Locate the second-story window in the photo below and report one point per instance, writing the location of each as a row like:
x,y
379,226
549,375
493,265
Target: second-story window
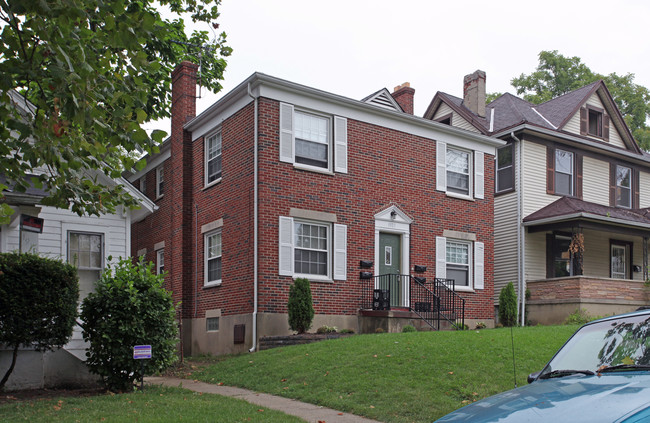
x,y
458,171
312,140
505,169
212,158
563,172
160,181
623,187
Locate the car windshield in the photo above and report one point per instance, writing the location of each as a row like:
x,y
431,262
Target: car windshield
x,y
624,342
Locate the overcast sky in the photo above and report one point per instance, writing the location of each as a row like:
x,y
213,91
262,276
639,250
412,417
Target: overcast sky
x,y
355,47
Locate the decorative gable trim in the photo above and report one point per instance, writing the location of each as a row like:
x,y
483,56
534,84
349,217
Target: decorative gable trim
x,y
382,98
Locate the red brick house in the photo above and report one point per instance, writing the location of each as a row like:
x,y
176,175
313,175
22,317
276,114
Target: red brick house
x,y
277,181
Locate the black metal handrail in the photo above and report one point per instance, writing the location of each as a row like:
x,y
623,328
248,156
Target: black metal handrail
x,y
437,300
433,301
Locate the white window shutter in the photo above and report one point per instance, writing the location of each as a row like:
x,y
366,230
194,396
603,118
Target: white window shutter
x,y
479,265
340,144
479,174
285,261
340,252
441,166
441,257
286,132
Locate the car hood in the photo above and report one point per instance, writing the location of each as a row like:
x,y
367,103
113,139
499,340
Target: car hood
x,y
611,397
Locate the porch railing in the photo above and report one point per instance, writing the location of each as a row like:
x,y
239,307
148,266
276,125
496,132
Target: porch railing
x,y
433,301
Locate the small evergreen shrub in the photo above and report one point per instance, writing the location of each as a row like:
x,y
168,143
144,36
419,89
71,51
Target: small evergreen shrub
x,y
508,305
129,307
300,307
408,328
326,329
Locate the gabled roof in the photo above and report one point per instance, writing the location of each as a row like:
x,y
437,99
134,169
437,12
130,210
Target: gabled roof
x,y
456,104
383,98
509,111
569,208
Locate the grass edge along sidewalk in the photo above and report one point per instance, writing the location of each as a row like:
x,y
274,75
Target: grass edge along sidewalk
x,y
308,412
392,377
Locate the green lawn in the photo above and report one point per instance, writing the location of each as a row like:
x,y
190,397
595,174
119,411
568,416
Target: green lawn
x,y
155,404
403,377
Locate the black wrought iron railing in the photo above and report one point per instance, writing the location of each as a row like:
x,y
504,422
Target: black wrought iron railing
x,y
433,301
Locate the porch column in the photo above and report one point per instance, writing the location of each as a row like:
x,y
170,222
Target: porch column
x,y
645,258
577,249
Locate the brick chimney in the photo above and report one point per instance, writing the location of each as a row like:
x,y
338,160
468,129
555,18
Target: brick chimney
x,y
403,95
474,92
178,184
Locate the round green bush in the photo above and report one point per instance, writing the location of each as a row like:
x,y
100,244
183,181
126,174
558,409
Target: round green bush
x,y
38,303
129,307
409,328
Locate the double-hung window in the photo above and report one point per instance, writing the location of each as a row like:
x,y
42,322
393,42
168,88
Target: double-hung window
x,y
85,250
564,172
212,158
160,261
505,169
623,187
213,251
458,171
312,249
160,181
458,262
312,246
461,260
313,141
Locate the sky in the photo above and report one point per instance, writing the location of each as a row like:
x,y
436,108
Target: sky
x,y
355,47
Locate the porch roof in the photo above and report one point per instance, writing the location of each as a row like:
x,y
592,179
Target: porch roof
x,y
570,210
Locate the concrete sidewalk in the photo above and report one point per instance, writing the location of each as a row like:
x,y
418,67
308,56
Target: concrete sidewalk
x,y
308,412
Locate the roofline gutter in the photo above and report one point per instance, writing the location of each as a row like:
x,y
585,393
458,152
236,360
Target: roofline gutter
x,y
590,216
258,78
573,138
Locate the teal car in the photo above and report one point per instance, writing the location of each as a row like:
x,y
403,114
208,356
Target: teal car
x,y
601,374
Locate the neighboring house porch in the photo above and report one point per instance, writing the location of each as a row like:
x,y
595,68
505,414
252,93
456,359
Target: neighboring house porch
x,y
588,256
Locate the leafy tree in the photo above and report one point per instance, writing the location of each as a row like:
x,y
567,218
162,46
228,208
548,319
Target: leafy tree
x,y
38,303
94,72
557,75
508,305
300,308
129,307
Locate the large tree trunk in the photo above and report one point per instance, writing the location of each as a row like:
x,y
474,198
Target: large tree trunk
x,y
11,368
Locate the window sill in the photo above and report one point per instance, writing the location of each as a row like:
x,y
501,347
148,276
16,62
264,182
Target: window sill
x,y
313,169
459,196
505,191
211,184
212,284
464,289
313,278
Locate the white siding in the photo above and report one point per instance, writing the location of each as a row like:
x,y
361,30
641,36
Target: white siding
x,y
573,125
505,241
644,185
456,120
597,253
534,178
595,181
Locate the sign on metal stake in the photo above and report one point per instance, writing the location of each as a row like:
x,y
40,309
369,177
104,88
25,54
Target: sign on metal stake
x,y
142,352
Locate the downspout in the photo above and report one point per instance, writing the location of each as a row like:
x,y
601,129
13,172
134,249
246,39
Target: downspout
x,y
255,220
521,254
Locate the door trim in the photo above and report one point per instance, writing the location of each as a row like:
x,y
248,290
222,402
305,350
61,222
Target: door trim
x,y
394,221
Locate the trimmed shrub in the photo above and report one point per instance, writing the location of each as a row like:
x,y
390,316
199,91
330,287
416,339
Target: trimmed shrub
x,y
300,307
38,303
408,328
508,306
129,307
